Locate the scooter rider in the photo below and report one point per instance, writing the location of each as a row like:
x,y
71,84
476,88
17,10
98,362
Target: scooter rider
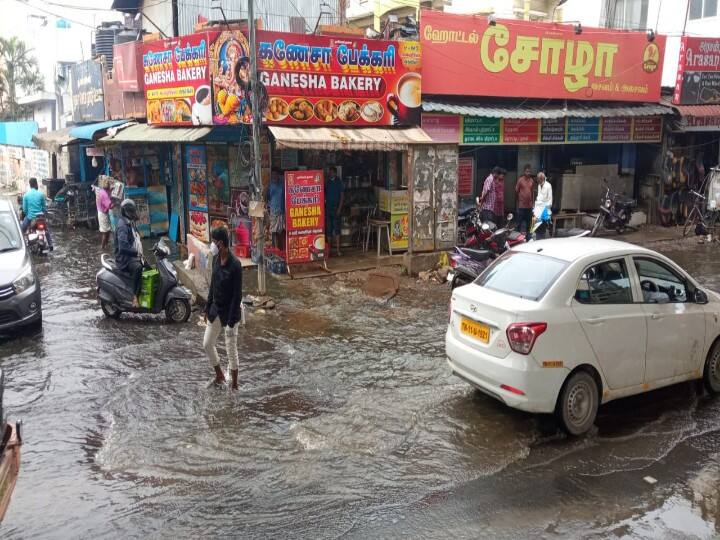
x,y
33,203
128,247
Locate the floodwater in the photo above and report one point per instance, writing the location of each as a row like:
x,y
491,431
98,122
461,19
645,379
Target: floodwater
x,y
348,424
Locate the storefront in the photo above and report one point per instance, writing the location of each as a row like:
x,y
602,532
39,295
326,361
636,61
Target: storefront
x,y
544,94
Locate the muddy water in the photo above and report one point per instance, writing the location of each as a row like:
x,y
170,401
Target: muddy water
x,y
347,423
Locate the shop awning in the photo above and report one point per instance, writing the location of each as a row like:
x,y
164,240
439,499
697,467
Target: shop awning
x,y
88,131
326,138
142,133
698,117
53,141
527,111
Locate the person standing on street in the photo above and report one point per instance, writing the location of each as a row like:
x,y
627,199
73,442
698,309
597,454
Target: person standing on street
x,y
492,199
33,203
223,310
524,194
276,203
104,204
543,201
334,197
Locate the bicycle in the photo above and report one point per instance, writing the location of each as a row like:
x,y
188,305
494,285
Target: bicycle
x,y
697,218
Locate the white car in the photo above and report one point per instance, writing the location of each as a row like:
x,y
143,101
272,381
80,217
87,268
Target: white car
x,y
563,325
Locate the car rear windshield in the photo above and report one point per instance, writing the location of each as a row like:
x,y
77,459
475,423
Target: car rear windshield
x,y
526,275
9,235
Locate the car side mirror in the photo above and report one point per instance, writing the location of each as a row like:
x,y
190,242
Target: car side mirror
x,y
700,296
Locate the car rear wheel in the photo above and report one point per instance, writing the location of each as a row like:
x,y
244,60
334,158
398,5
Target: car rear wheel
x,y
578,403
711,374
109,310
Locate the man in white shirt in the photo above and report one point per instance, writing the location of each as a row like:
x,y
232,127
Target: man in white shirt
x,y
544,200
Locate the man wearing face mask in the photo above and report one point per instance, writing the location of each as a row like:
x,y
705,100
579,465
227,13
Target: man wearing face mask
x,y
224,305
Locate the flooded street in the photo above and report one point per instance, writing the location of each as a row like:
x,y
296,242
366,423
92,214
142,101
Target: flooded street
x,y
348,424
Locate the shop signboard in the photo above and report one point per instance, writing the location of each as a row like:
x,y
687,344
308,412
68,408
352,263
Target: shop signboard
x,y
442,128
177,80
583,130
127,68
552,130
465,176
521,131
464,55
304,216
87,92
342,81
617,129
480,130
698,77
647,129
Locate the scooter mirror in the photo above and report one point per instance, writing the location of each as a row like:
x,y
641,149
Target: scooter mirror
x,y
477,200
509,217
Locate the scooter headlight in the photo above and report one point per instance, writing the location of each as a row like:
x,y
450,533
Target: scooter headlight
x,y
607,203
24,281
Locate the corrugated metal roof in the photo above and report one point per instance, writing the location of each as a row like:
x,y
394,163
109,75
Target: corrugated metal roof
x,y
88,131
326,138
140,133
699,111
578,110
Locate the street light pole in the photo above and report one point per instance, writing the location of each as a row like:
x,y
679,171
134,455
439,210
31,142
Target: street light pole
x,y
256,125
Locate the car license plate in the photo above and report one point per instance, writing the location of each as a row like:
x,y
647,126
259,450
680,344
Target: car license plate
x,y
475,330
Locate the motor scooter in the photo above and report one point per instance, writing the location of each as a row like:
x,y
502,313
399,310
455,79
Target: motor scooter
x,y
116,294
36,232
466,264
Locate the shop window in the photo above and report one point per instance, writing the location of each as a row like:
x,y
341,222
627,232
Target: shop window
x,y
702,9
605,283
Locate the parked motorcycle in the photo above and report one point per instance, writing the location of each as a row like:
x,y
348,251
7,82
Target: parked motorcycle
x,y
116,294
487,236
615,212
467,264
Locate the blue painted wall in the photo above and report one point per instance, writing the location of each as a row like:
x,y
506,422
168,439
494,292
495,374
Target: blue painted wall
x,y
18,133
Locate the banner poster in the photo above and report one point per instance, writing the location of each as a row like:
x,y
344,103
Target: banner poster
x,y
218,179
199,226
196,169
304,216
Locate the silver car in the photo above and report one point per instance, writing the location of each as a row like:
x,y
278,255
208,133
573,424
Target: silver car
x,y
20,303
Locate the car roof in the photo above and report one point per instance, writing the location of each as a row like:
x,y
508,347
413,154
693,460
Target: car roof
x,y
574,249
5,205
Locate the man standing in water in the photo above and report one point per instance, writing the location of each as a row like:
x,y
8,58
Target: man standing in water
x,y
224,305
104,204
334,195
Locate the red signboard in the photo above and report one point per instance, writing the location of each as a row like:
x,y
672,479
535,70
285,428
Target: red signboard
x,y
464,55
177,76
521,131
698,77
323,80
647,128
465,176
304,216
127,66
442,128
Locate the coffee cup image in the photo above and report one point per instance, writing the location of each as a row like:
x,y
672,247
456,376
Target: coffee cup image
x,y
405,103
202,108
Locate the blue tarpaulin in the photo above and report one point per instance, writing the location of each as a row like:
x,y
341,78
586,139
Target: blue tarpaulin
x,y
18,133
89,130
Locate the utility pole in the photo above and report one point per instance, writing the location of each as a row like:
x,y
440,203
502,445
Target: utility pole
x,y
258,193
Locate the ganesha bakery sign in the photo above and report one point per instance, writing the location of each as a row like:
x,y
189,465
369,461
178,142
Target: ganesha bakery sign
x,y
322,80
468,55
304,216
177,80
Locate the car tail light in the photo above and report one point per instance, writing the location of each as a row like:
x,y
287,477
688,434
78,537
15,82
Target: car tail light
x,y
522,336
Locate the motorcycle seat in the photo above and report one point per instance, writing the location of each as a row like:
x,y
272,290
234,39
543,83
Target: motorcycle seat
x,y
113,267
626,201
477,254
514,235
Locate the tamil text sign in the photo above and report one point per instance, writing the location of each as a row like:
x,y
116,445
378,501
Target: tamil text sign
x,y
305,216
176,77
464,55
698,78
87,92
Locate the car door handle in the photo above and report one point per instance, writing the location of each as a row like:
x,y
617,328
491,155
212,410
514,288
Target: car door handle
x,y
596,320
657,316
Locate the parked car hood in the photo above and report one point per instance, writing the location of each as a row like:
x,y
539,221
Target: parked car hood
x,y
11,264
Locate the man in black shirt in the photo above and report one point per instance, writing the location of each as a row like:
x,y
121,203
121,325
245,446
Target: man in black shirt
x,y
224,305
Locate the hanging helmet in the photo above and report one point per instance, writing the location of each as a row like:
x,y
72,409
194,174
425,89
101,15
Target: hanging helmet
x,y
129,210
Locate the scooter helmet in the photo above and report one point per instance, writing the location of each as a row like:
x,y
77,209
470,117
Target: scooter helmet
x,y
128,209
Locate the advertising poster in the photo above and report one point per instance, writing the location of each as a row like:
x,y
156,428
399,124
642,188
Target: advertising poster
x,y
230,73
239,202
199,226
466,175
177,80
218,179
464,55
322,80
196,169
304,216
698,78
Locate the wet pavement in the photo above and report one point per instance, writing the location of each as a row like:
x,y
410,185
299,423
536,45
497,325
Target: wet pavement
x,y
348,424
